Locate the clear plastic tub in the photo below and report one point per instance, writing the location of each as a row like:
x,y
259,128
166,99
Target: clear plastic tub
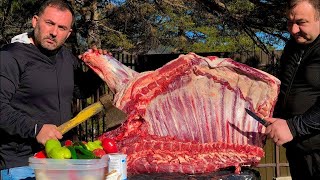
x,y
78,169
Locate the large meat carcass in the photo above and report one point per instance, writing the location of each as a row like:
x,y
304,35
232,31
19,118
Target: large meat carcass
x,y
189,115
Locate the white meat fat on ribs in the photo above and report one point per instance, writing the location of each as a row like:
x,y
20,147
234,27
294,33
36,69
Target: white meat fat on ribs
x,y
189,115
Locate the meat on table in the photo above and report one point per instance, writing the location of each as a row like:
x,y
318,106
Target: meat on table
x,y
189,115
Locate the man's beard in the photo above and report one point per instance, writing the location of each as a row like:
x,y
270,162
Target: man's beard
x,y
45,50
41,46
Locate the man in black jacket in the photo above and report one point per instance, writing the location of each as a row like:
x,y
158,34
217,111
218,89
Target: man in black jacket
x,y
39,78
299,99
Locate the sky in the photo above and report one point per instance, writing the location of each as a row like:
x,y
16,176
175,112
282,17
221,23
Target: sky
x,y
278,45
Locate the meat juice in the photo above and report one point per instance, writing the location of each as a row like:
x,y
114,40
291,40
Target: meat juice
x,y
118,162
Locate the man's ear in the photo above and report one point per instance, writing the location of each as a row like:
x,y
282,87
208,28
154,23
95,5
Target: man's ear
x,y
35,20
70,31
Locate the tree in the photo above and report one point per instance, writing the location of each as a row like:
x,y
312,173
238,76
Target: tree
x,y
183,26
138,26
11,20
252,16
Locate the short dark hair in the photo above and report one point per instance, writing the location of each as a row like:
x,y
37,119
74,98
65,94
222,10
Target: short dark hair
x,y
315,4
60,4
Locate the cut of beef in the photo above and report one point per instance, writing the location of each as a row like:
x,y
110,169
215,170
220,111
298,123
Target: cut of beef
x,y
154,154
188,116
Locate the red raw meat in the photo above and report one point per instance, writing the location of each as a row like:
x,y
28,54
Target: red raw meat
x,y
188,116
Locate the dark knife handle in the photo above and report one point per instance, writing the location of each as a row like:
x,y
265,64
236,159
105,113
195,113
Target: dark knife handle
x,y
257,118
265,123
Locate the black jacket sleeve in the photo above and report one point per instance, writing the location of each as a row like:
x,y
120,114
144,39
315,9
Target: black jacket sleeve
x,y
307,123
13,121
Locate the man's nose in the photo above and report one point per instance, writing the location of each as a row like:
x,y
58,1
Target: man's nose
x,y
54,31
295,29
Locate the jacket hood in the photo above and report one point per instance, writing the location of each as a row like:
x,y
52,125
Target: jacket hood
x,y
21,38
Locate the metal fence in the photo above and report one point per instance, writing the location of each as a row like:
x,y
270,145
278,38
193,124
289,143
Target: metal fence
x,y
274,164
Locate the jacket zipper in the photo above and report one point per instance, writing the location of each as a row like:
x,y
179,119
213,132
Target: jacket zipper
x,y
58,88
291,82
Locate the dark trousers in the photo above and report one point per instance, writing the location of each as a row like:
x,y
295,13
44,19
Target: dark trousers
x,y
303,165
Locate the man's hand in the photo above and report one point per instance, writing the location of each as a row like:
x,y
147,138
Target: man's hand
x,y
48,131
278,131
101,51
94,48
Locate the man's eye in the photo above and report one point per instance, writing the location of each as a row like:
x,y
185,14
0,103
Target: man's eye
x,y
49,23
300,23
62,28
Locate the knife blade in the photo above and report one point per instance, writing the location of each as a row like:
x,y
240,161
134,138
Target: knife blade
x,y
256,117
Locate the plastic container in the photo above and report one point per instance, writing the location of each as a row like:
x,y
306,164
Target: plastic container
x,y
74,169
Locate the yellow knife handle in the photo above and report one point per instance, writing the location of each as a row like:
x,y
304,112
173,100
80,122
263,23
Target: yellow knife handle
x,y
82,116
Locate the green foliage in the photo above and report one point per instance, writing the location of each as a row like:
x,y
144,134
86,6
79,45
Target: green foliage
x,y
141,26
116,40
242,7
11,21
215,42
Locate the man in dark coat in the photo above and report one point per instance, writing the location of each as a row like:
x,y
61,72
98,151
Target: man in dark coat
x,y
39,78
298,106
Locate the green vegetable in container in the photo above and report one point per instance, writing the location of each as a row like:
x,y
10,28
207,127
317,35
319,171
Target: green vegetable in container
x,y
83,153
91,146
50,144
73,152
60,153
79,143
